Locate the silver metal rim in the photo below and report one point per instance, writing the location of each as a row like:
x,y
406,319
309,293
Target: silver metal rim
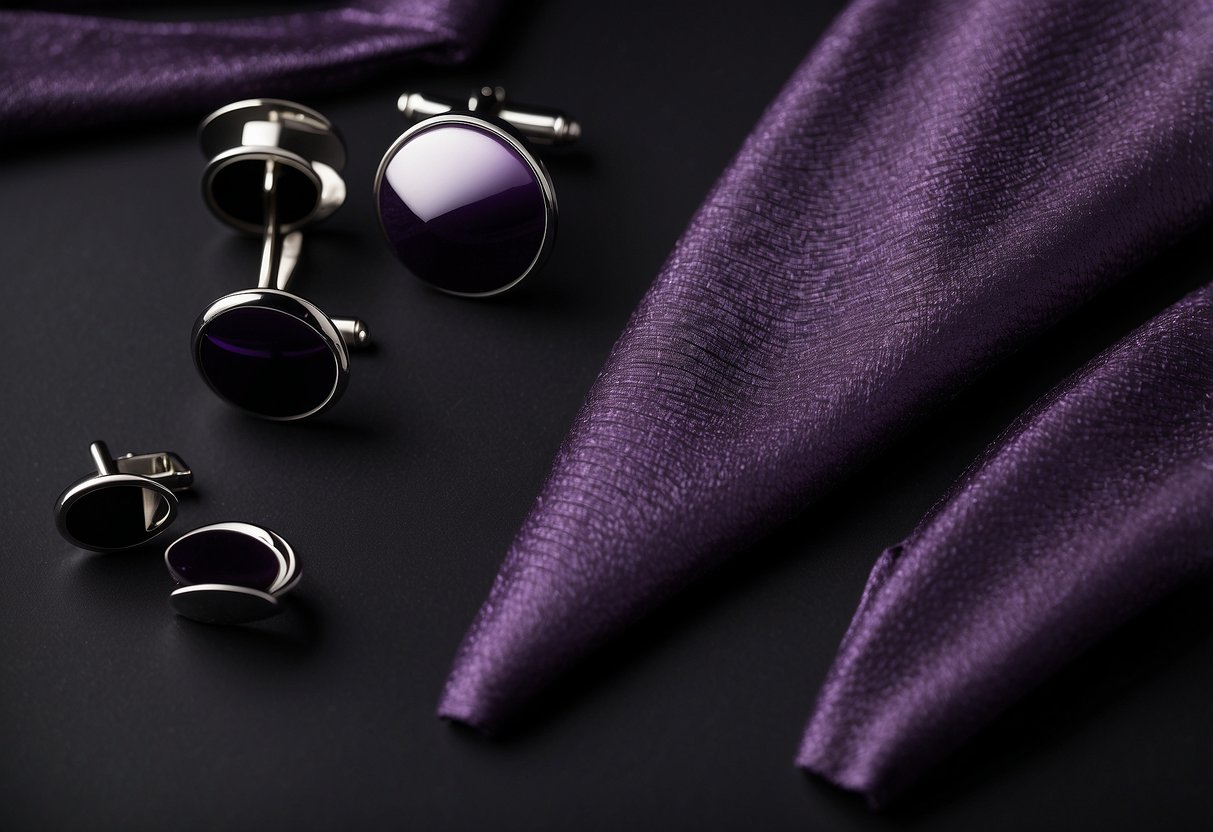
x,y
250,109
507,134
96,483
244,154
288,579
264,604
277,300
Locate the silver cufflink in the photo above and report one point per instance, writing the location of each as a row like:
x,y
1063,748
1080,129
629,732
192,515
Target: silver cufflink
x,y
274,167
126,503
464,203
230,573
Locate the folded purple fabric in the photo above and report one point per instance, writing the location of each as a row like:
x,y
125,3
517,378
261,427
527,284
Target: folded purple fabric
x,y
1092,507
60,72
940,180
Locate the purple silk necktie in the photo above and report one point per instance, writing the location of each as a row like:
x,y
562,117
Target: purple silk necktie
x,y
60,72
1097,503
939,181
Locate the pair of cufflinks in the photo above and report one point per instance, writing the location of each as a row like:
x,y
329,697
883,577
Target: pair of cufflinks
x,y
226,573
463,202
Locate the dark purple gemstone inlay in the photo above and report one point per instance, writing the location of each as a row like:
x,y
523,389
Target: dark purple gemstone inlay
x,y
267,361
462,209
222,556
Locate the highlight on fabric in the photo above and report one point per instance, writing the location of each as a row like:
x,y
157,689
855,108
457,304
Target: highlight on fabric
x,y
937,183
62,72
1091,508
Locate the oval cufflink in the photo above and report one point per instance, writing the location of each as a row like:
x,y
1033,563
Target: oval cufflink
x,y
126,503
230,573
462,200
274,167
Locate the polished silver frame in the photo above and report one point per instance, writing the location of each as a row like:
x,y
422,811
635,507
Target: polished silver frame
x,y
511,137
284,302
162,472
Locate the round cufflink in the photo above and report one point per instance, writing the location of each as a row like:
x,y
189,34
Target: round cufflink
x,y
125,504
462,200
230,573
274,167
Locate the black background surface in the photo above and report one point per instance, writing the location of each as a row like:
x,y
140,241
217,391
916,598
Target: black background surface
x,y
403,499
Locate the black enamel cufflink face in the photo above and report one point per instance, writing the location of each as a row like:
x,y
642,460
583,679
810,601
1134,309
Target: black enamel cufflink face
x,y
274,167
230,573
126,503
463,202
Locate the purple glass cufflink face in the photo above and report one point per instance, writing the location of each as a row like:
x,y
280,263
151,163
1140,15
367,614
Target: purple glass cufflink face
x,y
463,207
271,353
230,573
463,202
126,503
274,168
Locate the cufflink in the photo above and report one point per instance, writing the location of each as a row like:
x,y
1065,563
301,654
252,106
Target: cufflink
x,y
230,573
126,503
464,203
274,167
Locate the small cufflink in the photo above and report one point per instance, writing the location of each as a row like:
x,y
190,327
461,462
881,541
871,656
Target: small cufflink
x,y
126,503
464,203
274,167
230,573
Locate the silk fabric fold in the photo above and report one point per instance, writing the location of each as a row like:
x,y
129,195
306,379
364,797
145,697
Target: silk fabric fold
x,y
937,182
61,72
1092,507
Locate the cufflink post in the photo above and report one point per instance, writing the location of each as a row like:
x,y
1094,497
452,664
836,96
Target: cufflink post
x,y
542,125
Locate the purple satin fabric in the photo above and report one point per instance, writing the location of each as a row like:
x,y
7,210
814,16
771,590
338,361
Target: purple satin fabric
x,y
1097,503
938,181
60,72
